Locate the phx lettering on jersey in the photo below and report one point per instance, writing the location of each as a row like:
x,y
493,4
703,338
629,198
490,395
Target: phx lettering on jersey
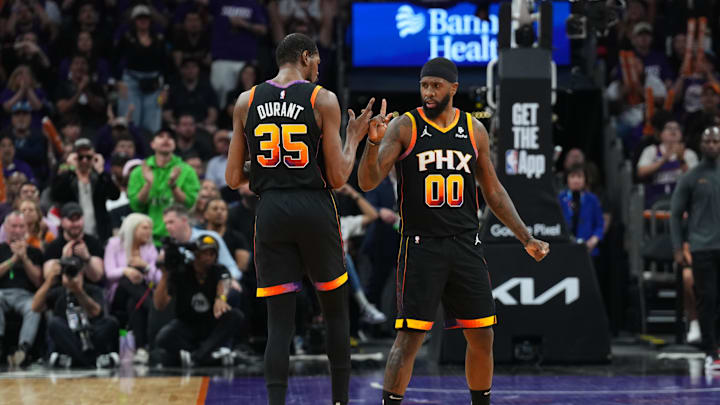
x,y
519,161
451,159
279,109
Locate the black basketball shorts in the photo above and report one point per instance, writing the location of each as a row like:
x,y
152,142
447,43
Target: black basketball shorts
x,y
297,233
448,269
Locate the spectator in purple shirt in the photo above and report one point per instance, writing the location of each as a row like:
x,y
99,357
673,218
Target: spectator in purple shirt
x,y
22,87
655,63
236,27
10,164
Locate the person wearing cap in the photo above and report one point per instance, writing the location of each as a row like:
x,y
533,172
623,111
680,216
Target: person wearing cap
x,y
73,241
707,116
59,289
144,53
87,183
192,95
697,195
204,320
215,170
163,180
655,63
30,143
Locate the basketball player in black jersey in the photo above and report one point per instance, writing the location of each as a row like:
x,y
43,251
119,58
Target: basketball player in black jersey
x,y
440,154
288,127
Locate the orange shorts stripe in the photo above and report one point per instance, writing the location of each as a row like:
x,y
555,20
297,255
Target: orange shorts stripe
x,y
471,323
413,324
331,285
279,289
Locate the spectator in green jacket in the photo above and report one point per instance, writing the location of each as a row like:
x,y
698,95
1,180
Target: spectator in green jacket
x,y
161,181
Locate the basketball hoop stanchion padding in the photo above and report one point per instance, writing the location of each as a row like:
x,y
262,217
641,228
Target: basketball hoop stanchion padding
x,y
550,311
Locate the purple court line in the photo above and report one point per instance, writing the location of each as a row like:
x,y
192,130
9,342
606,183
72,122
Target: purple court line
x,y
515,390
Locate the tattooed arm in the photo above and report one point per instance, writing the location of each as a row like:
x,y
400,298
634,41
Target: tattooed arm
x,y
498,199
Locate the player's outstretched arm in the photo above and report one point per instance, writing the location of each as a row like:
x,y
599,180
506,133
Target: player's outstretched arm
x,y
237,154
339,158
385,144
498,199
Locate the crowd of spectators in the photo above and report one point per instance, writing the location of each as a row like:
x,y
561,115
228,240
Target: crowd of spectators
x,y
115,122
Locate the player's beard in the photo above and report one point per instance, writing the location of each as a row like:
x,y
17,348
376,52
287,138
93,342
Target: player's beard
x,y
435,112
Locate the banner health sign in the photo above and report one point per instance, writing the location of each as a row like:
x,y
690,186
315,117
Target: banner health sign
x,y
403,35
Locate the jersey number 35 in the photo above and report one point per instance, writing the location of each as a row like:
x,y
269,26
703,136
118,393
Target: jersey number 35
x,y
294,153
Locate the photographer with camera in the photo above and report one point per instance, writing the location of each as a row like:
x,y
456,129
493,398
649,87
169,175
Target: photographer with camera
x,y
204,320
78,331
72,241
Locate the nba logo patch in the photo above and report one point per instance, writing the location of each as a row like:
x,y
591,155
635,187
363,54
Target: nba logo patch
x,y
282,95
511,161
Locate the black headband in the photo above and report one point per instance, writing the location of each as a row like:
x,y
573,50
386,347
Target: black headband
x,y
440,67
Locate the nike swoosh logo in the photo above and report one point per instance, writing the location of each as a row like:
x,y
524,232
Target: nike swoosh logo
x,y
394,398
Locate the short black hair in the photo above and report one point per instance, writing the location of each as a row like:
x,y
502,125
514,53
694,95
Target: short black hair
x,y
292,46
575,169
178,209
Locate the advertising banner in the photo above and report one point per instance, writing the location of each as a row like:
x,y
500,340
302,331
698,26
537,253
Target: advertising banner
x,y
400,34
525,148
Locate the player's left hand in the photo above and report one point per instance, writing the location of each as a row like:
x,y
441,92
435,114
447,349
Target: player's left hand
x,y
537,249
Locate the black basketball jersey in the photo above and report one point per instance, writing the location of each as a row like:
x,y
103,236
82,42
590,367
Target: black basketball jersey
x,y
283,138
436,177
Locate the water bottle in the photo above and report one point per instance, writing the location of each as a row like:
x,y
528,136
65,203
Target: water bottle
x,y
127,346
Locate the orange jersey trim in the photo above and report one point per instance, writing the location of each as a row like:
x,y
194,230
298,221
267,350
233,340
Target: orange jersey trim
x,y
471,323
314,95
472,133
413,324
279,289
331,285
252,95
436,126
413,138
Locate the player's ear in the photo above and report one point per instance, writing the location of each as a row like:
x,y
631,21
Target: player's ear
x,y
453,88
305,57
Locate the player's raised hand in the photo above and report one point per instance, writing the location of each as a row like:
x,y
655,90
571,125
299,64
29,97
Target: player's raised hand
x,y
537,249
379,124
358,127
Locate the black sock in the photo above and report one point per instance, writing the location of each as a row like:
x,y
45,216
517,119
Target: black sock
x,y
480,397
391,399
276,394
337,322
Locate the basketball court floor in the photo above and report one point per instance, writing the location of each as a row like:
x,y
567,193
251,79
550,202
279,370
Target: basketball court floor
x,y
638,374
